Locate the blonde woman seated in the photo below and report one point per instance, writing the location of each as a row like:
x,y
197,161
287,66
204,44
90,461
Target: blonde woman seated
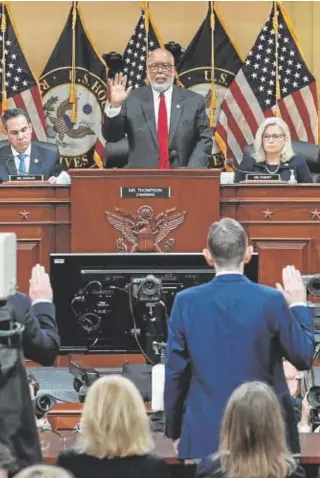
x,y
273,154
116,439
252,440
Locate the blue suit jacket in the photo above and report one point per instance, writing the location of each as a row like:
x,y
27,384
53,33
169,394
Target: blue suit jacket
x,y
42,161
223,334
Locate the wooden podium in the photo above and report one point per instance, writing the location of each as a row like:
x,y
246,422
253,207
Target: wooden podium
x,y
283,224
39,214
283,221
142,210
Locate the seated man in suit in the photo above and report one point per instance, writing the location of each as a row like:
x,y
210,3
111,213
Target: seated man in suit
x,y
167,126
228,332
21,155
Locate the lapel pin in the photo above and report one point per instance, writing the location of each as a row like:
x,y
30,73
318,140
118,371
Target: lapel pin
x,y
36,160
178,106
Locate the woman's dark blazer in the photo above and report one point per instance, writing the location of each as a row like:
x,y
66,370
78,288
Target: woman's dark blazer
x,y
299,165
82,465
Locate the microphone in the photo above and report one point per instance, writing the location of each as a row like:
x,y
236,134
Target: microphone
x,y
232,163
173,156
10,159
22,173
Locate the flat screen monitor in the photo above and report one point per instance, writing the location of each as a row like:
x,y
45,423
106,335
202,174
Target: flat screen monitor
x,y
121,302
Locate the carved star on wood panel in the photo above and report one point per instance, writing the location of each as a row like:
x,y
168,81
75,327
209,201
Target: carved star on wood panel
x,y
315,214
268,213
24,215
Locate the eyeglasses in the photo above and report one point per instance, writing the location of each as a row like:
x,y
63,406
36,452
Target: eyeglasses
x,y
165,67
274,137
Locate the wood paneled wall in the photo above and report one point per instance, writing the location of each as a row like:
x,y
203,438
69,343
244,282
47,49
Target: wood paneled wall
x,y
110,24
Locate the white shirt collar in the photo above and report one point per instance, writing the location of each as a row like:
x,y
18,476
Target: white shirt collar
x,y
224,273
27,152
166,93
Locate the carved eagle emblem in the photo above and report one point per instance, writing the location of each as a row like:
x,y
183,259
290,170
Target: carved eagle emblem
x,y
145,225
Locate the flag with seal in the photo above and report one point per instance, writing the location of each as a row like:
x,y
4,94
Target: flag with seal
x,y
210,63
74,95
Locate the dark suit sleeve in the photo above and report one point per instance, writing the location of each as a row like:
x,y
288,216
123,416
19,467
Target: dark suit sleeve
x,y
177,373
40,340
247,164
203,134
56,167
114,129
304,175
294,328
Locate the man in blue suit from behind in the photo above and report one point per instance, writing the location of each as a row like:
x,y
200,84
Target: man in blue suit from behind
x,y
227,332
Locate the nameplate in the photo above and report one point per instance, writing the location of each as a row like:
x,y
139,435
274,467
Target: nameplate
x,y
145,192
26,177
262,177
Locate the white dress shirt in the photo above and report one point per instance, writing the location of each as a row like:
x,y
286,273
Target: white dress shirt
x,y
27,156
112,112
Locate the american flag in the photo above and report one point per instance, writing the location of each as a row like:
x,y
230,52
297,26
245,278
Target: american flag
x,y
252,94
21,87
139,46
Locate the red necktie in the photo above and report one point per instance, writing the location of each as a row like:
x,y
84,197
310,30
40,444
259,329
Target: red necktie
x,y
163,137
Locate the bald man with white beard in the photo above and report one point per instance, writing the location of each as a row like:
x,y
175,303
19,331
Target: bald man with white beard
x,y
138,114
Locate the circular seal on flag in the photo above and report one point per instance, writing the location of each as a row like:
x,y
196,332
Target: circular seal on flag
x,y
73,126
199,80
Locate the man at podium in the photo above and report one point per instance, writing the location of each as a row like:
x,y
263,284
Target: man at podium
x,y
166,126
21,156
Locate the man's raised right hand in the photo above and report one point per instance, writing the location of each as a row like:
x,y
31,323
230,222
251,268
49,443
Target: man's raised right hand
x,y
293,288
117,90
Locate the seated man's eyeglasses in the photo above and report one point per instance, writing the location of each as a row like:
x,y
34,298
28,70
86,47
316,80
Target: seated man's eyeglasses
x,y
274,137
160,66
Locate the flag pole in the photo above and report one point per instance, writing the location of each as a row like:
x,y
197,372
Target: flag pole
x,y
3,32
72,95
275,24
145,8
213,99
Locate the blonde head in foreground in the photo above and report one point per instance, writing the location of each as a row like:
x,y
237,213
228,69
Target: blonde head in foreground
x,y
114,420
253,440
43,471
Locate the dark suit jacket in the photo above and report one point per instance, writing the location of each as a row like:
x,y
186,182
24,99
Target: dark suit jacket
x,y
223,334
190,137
43,161
299,165
40,340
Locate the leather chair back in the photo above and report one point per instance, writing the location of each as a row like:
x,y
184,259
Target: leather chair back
x,y
49,146
116,154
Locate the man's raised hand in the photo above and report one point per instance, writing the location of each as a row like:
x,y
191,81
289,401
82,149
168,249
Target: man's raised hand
x,y
117,90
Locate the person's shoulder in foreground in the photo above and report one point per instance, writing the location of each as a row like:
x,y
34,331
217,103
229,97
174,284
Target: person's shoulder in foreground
x,y
210,467
139,466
